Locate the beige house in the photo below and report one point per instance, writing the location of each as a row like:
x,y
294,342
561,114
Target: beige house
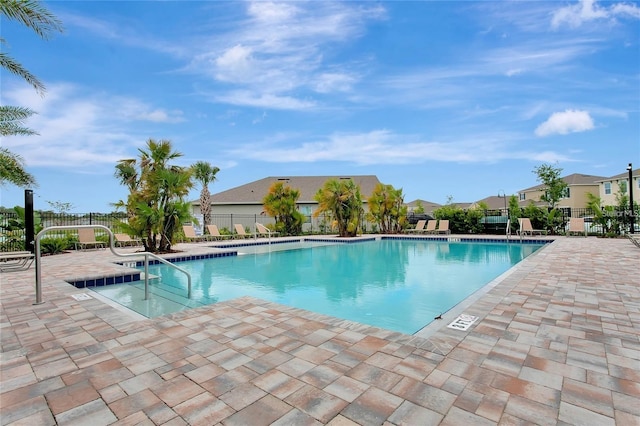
x,y
609,188
243,204
576,194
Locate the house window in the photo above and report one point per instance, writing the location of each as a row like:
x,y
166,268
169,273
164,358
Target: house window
x,y
566,193
523,196
607,188
305,210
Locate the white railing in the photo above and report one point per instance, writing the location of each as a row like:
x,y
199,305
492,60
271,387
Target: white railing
x,y
146,255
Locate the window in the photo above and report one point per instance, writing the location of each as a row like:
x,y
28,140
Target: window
x,y
523,196
305,210
607,188
566,193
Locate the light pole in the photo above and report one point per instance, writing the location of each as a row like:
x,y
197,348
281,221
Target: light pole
x,y
504,195
632,221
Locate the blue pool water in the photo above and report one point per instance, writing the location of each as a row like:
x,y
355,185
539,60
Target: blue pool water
x,y
395,284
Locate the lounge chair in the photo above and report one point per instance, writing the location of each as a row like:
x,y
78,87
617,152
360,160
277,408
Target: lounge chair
x,y
240,232
419,226
124,240
443,227
635,239
527,228
263,230
190,234
576,225
87,238
214,233
15,261
431,227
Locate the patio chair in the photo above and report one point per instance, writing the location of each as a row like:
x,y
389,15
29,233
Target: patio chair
x,y
419,226
124,240
16,261
190,234
576,226
527,228
87,238
443,227
240,232
431,227
214,233
263,230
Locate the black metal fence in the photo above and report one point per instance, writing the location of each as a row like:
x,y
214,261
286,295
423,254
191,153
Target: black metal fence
x,y
611,221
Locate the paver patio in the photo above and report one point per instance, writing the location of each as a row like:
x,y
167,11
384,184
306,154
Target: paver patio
x,y
557,342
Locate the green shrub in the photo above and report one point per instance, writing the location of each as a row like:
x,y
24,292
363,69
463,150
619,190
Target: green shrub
x,y
53,245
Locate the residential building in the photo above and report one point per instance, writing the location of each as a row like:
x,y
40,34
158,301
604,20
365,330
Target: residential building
x,y
245,201
427,206
618,184
578,185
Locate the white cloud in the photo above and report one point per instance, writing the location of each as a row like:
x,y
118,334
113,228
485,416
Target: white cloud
x,y
569,121
380,147
587,10
334,82
81,129
278,53
264,100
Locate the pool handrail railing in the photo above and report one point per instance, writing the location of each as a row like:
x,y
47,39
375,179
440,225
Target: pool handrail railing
x,y
146,255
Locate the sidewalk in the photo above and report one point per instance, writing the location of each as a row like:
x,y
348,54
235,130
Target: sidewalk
x,y
557,342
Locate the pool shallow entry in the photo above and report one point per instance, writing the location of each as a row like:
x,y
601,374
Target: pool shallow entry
x,y
396,284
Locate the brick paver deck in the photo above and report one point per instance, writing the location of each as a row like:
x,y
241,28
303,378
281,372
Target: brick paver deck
x,y
557,342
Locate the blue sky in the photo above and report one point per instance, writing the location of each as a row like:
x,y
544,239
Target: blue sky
x,y
447,98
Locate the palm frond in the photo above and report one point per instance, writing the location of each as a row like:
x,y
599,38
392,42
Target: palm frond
x,y
33,15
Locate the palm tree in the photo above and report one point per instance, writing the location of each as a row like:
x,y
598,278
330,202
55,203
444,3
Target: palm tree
x,y
12,170
205,173
156,205
36,17
280,202
387,209
341,199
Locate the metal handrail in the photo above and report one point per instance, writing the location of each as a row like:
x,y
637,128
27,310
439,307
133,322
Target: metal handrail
x,y
146,255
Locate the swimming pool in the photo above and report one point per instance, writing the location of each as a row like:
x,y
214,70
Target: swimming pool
x,y
396,284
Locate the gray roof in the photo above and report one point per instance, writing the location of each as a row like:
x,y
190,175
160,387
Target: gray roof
x,y
428,206
495,202
625,175
254,192
572,180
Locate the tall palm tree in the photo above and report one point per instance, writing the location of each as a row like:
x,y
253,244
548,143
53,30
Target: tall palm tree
x,y
33,15
157,191
205,173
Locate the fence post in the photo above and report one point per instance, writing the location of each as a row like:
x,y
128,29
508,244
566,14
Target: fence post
x,y
29,235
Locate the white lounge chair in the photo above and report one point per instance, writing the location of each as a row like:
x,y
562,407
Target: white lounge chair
x,y
15,261
87,238
190,234
576,226
419,226
124,240
240,232
214,233
443,227
263,230
527,228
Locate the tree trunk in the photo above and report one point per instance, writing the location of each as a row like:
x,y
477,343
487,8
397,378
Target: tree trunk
x,y
205,207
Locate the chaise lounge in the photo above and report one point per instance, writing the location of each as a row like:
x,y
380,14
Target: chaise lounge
x,y
15,261
576,226
263,230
